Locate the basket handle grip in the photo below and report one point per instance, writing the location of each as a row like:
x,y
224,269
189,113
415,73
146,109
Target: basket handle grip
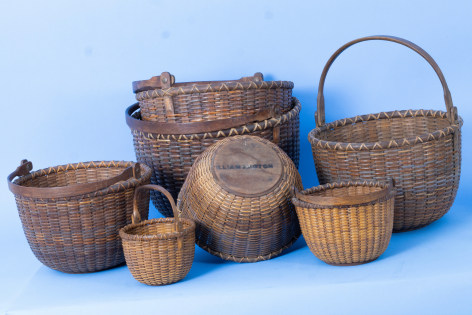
x,y
65,191
320,113
166,80
136,217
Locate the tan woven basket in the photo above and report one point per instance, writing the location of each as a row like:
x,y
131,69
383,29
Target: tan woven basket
x,y
238,193
249,98
420,149
171,150
158,251
71,214
346,223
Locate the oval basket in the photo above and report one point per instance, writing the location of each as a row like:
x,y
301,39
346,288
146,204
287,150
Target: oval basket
x,y
346,223
158,251
163,100
170,149
71,214
235,225
419,149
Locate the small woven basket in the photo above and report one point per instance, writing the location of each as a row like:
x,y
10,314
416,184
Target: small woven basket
x,y
158,251
71,214
419,149
163,100
238,193
170,149
346,223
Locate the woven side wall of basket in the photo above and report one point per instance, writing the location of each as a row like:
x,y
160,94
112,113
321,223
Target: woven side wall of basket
x,y
78,232
171,155
419,149
163,100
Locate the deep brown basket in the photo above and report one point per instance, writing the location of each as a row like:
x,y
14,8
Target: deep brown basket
x,y
249,98
170,155
419,149
237,226
158,251
71,214
346,223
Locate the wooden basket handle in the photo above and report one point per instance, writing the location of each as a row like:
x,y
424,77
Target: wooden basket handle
x,y
166,80
320,113
136,217
66,191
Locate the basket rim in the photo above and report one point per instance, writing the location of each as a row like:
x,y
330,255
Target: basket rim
x,y
126,236
241,130
205,87
330,202
393,143
118,187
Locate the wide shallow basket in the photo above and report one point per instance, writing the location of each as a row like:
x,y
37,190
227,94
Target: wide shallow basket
x,y
250,98
170,149
419,149
346,223
71,214
238,193
158,251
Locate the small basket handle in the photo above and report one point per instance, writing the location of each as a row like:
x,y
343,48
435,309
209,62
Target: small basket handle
x,y
320,113
136,217
166,80
66,191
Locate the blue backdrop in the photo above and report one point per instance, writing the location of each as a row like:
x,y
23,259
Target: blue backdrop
x,y
66,73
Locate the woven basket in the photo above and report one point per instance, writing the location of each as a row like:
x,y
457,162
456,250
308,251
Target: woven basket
x,y
71,214
158,251
249,98
238,193
171,150
346,223
419,149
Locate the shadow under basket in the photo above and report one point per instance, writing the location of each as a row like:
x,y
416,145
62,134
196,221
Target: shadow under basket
x,y
158,251
346,223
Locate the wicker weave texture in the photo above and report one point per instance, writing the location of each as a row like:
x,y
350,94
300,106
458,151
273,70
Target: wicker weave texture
x,y
348,234
152,250
240,228
202,102
171,156
79,234
421,150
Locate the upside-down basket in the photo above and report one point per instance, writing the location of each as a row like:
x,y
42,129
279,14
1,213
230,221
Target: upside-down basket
x,y
419,149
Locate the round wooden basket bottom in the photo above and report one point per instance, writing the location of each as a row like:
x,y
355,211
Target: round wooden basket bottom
x,y
346,223
158,251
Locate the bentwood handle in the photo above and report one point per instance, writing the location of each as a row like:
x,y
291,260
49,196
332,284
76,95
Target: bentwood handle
x,y
320,114
65,191
166,80
136,217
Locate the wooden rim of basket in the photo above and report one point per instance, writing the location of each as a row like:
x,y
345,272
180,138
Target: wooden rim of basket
x,y
393,143
164,85
178,232
130,177
305,196
180,131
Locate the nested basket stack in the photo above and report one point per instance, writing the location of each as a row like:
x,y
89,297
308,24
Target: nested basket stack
x,y
175,122
158,251
347,223
71,214
238,193
419,149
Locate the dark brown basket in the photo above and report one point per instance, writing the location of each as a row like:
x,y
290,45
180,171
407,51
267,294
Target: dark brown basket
x,y
250,98
346,223
71,214
419,149
170,150
242,227
158,251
